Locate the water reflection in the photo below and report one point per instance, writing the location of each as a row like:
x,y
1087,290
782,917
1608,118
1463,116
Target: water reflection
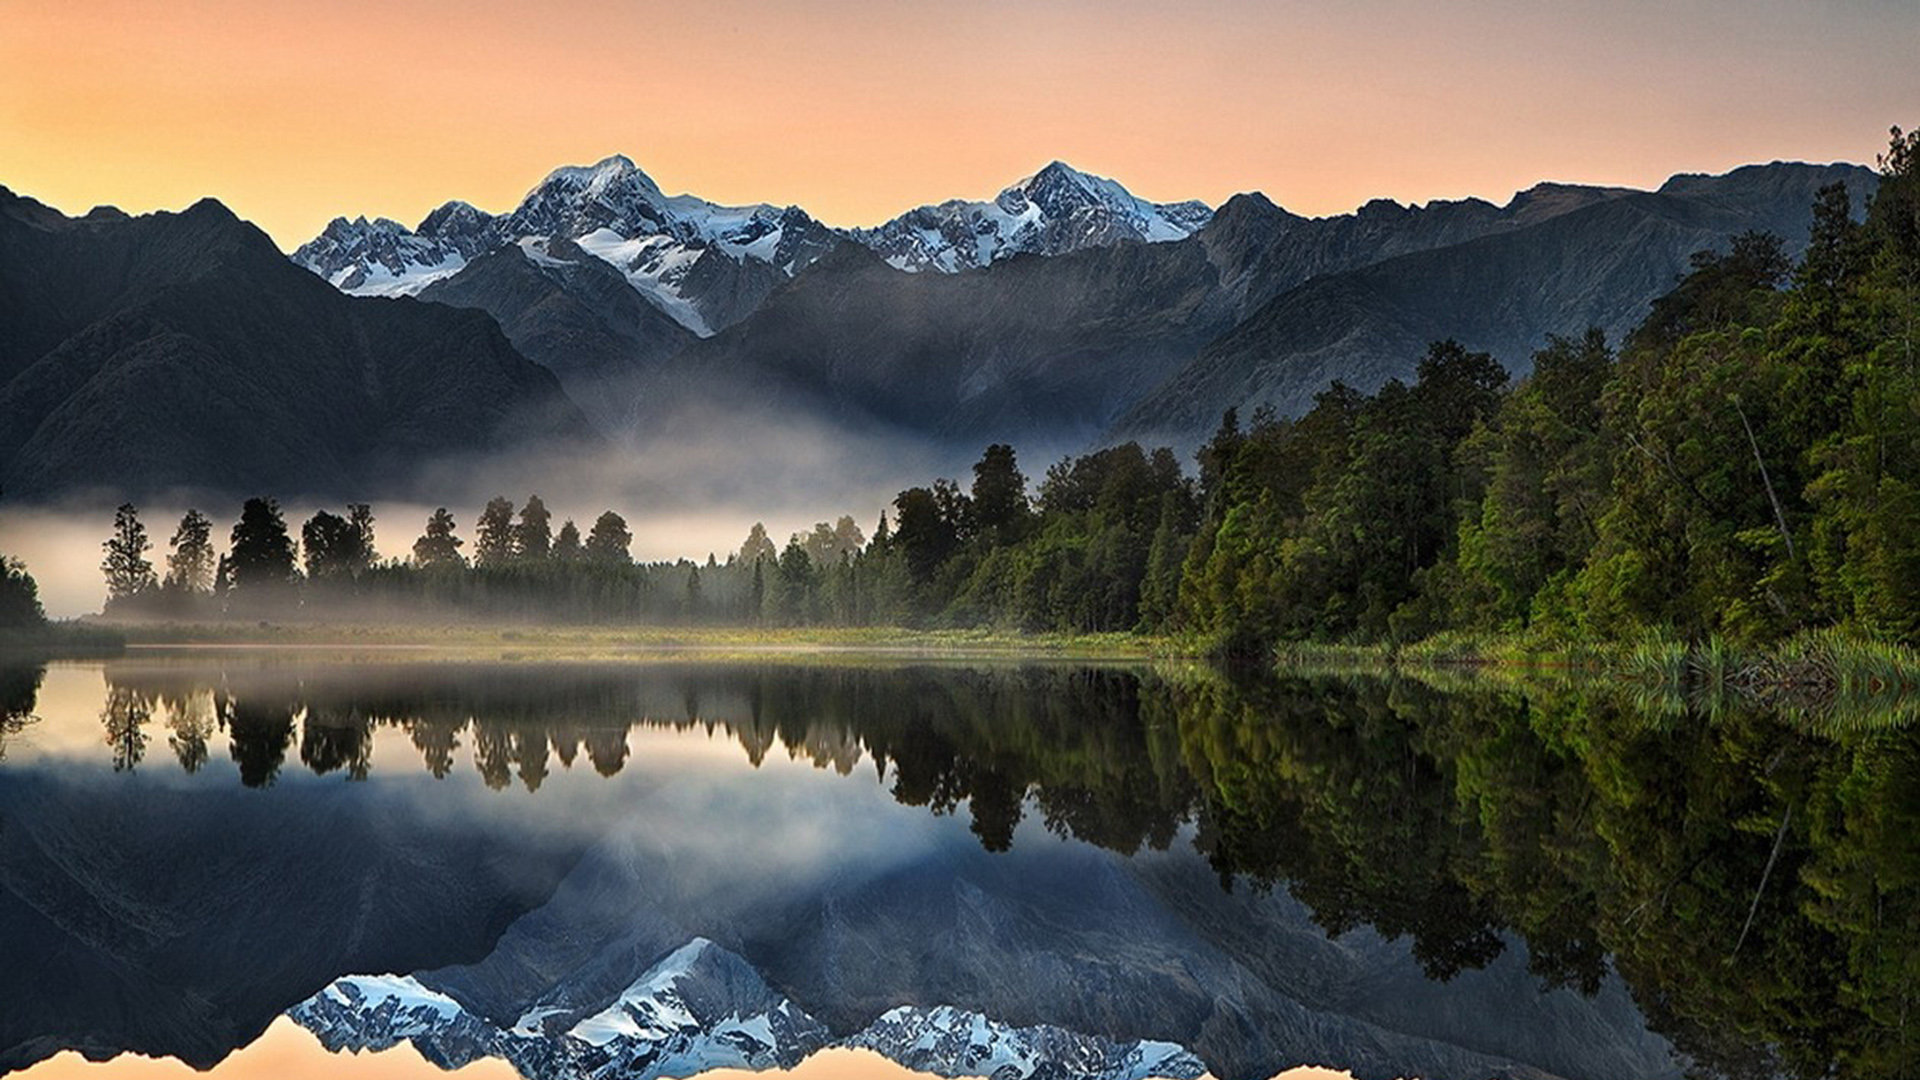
x,y
1755,880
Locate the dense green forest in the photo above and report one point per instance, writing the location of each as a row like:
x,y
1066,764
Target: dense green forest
x,y
1745,465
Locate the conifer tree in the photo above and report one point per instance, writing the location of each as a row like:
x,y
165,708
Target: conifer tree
x,y
128,572
190,564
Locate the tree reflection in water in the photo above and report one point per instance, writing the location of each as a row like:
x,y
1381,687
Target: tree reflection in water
x,y
1754,878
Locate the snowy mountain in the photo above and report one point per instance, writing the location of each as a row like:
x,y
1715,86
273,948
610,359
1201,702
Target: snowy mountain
x,y
700,1008
384,258
1054,211
704,264
954,1042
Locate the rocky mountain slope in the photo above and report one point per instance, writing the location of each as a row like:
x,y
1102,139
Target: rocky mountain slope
x,y
1257,306
1598,264
704,265
184,350
1056,210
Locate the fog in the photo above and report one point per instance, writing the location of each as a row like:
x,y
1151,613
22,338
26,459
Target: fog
x,y
690,488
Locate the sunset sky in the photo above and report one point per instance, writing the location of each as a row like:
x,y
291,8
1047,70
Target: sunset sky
x,y
857,109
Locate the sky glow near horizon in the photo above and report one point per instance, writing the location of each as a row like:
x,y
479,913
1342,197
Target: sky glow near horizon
x,y
859,109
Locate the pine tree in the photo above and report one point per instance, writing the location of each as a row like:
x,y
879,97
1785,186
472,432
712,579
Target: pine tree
x,y
261,553
1000,507
495,544
128,572
533,537
566,545
190,565
362,554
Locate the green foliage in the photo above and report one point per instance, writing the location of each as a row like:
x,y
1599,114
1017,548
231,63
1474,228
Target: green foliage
x,y
190,564
495,545
438,547
19,597
1747,469
533,536
608,541
260,555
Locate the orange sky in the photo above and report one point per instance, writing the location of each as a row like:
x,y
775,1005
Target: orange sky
x,y
856,109
288,1052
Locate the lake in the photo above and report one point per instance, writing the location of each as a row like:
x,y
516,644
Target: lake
x,y
681,864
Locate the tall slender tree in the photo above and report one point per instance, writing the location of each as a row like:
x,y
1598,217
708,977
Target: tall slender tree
x,y
128,572
190,563
495,543
533,537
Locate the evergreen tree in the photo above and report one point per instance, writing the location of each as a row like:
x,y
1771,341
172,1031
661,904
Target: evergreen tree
x,y
566,544
757,546
190,563
362,553
1000,507
332,547
19,597
128,572
925,531
438,546
533,537
261,554
796,580
757,595
608,541
495,544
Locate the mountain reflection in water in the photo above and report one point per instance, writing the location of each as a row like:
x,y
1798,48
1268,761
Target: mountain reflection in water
x,y
1120,862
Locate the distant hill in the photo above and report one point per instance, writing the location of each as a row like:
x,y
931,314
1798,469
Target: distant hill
x,y
184,350
1600,264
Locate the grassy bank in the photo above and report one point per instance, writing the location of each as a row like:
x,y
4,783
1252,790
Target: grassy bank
x,y
653,638
1825,673
61,639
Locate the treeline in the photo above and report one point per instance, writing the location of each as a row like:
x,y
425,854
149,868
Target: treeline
x,y
521,568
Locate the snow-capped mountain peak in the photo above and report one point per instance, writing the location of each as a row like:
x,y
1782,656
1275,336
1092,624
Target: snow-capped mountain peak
x,y
382,257
1054,211
702,1007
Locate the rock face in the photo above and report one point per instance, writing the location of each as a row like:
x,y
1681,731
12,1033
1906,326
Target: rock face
x,y
1055,211
183,350
384,258
575,314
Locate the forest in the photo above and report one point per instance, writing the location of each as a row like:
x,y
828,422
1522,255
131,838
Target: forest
x,y
1744,466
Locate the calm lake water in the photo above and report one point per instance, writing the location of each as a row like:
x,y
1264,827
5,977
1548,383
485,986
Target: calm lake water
x,y
1056,870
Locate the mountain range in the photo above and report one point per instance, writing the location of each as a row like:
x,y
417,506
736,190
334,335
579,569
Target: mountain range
x,y
1064,312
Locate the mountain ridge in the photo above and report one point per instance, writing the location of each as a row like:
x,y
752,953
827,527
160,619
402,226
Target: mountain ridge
x,y
178,350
